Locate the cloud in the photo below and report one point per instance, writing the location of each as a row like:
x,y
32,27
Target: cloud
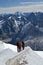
x,y
29,3
38,7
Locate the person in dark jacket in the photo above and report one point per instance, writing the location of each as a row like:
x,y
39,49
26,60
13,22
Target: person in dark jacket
x,y
20,46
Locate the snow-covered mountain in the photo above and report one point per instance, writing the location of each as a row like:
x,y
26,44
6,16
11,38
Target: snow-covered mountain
x,y
21,26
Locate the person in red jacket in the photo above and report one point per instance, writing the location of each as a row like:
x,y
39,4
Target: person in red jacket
x,y
20,46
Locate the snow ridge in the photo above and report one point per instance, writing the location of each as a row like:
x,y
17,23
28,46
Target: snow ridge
x,y
26,57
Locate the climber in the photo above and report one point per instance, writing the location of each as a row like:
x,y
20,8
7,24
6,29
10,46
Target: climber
x,y
20,46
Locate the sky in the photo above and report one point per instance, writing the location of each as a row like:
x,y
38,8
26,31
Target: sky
x,y
12,3
12,6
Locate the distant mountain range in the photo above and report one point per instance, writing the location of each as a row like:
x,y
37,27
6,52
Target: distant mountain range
x,y
21,26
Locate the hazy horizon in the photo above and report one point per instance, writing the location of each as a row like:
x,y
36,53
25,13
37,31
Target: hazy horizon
x,y
12,6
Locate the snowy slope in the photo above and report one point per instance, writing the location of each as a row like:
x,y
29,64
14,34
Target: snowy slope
x,y
5,55
2,46
6,45
26,57
6,51
9,56
40,53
